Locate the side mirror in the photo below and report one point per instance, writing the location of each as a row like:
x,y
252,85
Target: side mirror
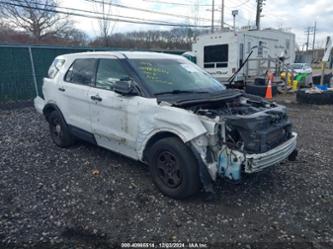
x,y
126,88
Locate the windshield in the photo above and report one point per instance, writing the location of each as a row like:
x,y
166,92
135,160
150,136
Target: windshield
x,y
163,76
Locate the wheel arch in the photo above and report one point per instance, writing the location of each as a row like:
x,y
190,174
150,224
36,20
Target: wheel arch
x,y
156,137
49,108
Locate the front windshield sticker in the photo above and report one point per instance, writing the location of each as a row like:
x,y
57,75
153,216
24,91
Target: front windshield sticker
x,y
154,72
190,68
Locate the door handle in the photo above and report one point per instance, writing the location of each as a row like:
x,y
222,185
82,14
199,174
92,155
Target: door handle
x,y
61,89
96,98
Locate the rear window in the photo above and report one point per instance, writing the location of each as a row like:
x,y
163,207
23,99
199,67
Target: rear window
x,y
216,56
55,68
82,72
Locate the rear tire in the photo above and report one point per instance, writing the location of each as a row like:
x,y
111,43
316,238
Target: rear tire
x,y
174,168
59,130
325,98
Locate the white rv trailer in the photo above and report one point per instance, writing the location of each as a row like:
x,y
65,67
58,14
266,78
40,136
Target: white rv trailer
x,y
222,53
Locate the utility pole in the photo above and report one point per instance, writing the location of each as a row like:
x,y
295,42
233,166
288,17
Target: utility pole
x,y
260,4
213,10
314,35
196,12
234,14
314,40
307,32
311,30
327,55
222,15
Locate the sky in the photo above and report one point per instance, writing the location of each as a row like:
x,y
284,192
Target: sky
x,y
294,16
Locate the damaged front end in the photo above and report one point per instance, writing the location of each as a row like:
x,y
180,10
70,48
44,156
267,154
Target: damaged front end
x,y
245,134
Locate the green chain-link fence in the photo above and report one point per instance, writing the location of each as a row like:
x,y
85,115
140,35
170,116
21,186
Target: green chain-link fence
x,y
22,69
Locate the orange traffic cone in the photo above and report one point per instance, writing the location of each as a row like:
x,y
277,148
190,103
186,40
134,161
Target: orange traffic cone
x,y
269,90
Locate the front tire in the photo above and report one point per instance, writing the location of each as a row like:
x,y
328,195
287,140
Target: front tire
x,y
59,130
174,168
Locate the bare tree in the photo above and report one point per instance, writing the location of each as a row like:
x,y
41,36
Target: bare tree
x,y
38,17
104,24
177,38
75,37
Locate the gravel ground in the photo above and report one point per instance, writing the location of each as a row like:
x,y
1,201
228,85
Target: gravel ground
x,y
88,197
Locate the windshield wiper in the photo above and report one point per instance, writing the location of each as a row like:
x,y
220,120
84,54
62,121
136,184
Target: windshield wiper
x,y
180,92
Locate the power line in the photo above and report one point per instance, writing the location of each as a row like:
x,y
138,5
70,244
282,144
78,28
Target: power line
x,y
244,5
103,18
241,4
143,10
181,4
150,11
201,5
88,11
191,4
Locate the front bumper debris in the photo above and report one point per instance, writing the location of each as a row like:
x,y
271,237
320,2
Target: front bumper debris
x,y
233,163
258,162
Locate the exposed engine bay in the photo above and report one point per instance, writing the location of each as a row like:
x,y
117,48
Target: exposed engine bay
x,y
252,124
245,134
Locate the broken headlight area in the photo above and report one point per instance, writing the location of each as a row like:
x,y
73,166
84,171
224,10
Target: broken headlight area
x,y
258,133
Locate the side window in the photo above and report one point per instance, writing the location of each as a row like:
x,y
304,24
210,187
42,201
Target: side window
x,y
55,68
82,72
109,71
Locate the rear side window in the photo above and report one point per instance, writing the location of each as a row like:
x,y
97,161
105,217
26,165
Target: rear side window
x,y
216,56
82,72
55,68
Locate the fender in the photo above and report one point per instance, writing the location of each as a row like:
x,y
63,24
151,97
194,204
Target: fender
x,y
166,119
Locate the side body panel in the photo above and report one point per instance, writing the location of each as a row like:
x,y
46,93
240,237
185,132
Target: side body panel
x,y
74,103
72,99
114,121
125,124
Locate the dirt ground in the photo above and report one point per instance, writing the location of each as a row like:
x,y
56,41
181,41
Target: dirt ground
x,y
88,197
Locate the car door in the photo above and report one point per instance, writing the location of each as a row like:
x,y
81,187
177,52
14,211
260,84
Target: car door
x,y
114,117
74,98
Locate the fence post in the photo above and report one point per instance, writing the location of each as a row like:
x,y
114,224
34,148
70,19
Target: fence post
x,y
33,71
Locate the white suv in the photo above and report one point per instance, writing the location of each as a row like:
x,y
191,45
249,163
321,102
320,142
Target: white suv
x,y
167,112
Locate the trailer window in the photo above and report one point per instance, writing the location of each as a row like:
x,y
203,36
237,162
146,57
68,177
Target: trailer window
x,y
260,49
216,56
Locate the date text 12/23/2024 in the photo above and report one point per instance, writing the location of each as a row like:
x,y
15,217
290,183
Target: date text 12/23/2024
x,y
164,245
